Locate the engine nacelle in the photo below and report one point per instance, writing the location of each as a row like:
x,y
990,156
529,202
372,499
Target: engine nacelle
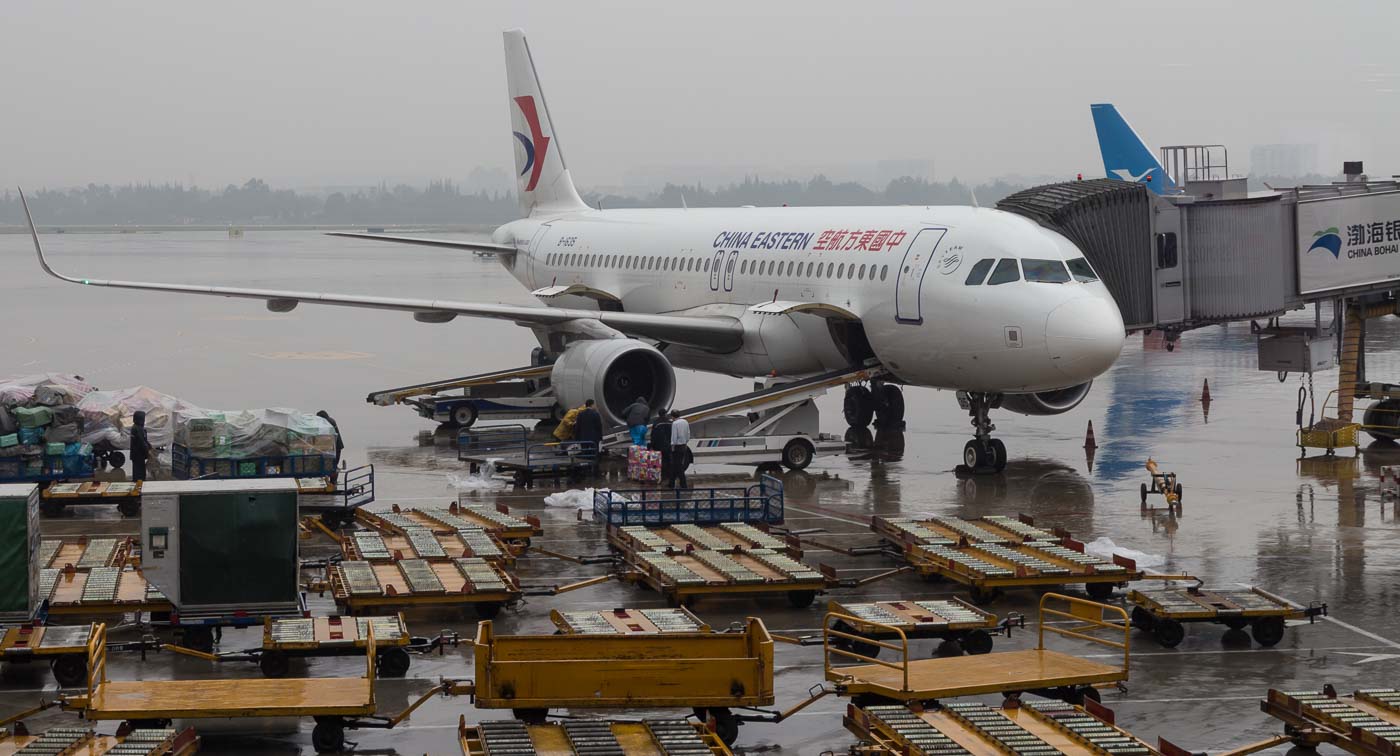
x,y
1047,402
613,372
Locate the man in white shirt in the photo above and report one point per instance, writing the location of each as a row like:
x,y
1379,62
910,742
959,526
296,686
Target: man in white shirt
x,y
680,450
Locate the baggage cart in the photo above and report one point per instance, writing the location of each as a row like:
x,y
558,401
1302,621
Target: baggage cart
x,y
394,535
360,587
62,647
125,494
99,593
960,626
758,503
1365,723
628,622
510,449
648,737
1163,613
82,739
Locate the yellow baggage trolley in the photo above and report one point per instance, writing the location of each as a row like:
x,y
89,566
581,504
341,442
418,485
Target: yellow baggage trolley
x,y
84,741
646,738
1364,723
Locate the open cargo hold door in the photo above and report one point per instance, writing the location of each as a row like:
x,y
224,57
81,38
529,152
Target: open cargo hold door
x,y
1111,222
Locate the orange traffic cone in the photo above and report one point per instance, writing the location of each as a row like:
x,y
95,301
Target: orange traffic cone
x,y
1089,442
1205,392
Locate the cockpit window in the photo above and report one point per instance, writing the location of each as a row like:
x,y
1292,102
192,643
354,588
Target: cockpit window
x,y
1045,271
1079,267
979,272
1006,272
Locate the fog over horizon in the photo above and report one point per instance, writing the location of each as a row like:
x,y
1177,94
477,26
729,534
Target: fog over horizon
x,y
323,94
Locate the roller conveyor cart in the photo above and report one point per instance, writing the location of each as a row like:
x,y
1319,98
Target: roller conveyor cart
x,y
1164,613
628,622
1366,723
84,741
960,626
393,535
62,647
360,586
649,737
99,593
83,553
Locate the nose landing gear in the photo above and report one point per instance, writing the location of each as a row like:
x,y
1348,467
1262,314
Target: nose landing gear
x,y
983,454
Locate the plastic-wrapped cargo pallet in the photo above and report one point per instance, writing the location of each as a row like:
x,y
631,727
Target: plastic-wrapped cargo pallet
x,y
41,428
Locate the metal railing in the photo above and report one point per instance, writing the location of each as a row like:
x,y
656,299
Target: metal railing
x,y
760,502
829,631
1090,618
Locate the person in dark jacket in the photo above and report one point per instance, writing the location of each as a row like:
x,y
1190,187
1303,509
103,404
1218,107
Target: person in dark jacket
x,y
661,441
636,416
140,446
339,444
588,426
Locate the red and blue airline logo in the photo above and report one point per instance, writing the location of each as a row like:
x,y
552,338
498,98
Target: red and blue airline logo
x,y
536,144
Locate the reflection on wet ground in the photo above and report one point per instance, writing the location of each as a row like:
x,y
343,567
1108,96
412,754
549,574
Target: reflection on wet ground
x,y
1311,529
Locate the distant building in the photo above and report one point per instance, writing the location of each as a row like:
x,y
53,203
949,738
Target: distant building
x,y
1283,159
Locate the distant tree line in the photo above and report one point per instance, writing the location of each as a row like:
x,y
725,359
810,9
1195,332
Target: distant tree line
x,y
443,202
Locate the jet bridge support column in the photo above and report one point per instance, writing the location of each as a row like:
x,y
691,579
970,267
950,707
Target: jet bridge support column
x,y
1348,370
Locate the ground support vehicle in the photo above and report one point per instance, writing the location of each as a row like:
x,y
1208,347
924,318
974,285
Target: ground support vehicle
x,y
960,626
649,737
760,503
704,671
628,622
1163,613
1366,723
1042,671
125,494
393,536
683,562
1019,727
360,587
517,394
509,449
63,647
496,520
995,553
307,637
98,593
81,739
1163,483
84,553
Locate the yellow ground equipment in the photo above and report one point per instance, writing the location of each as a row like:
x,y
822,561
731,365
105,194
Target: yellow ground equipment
x,y
360,586
99,592
960,626
337,703
628,622
685,561
496,520
1163,613
285,639
1164,483
85,741
1052,727
1366,723
698,670
1328,433
1048,673
401,536
652,737
64,648
994,553
84,553
126,495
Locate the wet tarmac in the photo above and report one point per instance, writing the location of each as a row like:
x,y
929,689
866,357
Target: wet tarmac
x,y
1314,529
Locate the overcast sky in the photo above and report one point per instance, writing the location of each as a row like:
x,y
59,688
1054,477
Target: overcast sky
x,y
348,92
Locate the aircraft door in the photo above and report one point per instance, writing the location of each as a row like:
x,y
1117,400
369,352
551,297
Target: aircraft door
x,y
908,307
729,270
715,272
536,272
1167,274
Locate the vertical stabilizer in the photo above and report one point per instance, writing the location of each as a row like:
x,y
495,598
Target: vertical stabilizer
x,y
1125,155
542,179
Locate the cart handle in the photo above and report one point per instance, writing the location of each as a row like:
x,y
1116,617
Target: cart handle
x,y
829,631
1091,615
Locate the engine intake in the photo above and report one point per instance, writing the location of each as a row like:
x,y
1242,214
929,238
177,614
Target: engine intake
x,y
1047,402
613,372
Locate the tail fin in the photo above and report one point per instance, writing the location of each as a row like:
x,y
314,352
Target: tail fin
x,y
1125,155
542,181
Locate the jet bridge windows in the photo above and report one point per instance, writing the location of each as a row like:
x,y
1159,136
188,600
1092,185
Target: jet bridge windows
x,y
978,274
1045,271
1006,271
1166,251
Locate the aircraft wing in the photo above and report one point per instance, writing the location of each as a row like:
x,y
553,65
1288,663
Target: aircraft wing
x,y
444,243
715,333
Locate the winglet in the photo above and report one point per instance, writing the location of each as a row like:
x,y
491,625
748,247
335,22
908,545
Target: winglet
x,y
33,232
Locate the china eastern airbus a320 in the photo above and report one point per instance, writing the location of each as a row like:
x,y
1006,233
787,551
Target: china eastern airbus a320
x,y
976,300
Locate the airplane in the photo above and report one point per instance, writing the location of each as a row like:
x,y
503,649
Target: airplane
x,y
1125,156
987,303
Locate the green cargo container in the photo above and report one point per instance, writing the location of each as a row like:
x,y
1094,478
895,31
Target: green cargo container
x,y
221,545
19,550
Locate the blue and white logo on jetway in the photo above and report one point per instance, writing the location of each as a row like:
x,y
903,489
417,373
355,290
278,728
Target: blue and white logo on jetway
x,y
1329,239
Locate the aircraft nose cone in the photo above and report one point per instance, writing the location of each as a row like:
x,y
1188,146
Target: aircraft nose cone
x,y
1084,336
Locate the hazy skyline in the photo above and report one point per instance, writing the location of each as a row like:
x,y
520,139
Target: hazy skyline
x,y
346,93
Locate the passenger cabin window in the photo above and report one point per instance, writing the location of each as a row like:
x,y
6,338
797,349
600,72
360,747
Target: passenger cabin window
x,y
978,274
1005,272
1082,272
1166,251
884,271
1045,271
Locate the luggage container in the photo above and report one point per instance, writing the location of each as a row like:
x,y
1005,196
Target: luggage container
x,y
19,551
1164,613
994,553
649,737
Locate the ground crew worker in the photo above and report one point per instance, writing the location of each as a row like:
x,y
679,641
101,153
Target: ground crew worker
x,y
568,424
588,426
680,450
339,444
661,441
636,416
140,446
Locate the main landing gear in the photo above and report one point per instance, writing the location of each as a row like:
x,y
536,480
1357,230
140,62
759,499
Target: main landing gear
x,y
983,454
881,403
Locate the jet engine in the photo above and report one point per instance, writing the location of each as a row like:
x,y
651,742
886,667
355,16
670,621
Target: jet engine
x,y
613,372
1047,402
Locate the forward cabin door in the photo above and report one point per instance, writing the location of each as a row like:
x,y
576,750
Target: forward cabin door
x,y
908,306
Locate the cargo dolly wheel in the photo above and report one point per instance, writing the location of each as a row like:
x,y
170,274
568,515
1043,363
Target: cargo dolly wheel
x,y
328,736
976,642
801,599
129,507
487,609
726,725
948,647
530,716
394,662
1099,591
70,670
1169,632
863,648
1142,490
274,664
1142,619
1267,631
980,595
199,638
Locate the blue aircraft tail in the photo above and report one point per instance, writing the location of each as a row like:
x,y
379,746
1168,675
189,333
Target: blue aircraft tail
x,y
1125,156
